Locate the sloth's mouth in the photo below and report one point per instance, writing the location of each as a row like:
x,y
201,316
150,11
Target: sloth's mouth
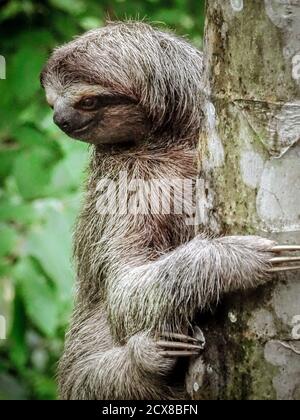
x,y
82,129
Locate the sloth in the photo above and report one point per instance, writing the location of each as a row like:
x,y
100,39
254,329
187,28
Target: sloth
x,y
135,93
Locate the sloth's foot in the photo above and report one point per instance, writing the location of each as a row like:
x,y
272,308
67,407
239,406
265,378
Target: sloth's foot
x,y
179,345
285,262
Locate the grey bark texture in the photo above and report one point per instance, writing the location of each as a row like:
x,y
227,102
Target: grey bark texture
x,y
250,164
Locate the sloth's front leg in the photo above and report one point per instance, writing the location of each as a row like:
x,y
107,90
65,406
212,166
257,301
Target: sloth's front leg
x,y
165,294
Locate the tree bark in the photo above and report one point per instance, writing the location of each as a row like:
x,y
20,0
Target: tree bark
x,y
250,161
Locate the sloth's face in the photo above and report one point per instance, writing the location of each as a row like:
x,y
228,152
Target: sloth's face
x,y
97,115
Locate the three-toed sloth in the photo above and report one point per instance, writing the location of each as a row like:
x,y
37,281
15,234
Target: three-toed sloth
x,y
136,94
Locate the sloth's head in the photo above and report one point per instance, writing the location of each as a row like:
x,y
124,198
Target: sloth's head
x,y
124,82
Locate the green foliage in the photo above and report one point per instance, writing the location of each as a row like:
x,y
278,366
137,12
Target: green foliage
x,y
41,171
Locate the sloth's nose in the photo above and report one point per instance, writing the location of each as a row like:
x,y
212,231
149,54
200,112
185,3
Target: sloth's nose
x,y
61,122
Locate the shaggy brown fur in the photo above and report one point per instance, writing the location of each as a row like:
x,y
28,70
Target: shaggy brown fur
x,y
144,274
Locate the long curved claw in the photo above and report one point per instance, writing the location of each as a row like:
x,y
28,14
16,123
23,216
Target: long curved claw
x,y
280,260
282,269
285,248
285,263
180,337
178,353
178,345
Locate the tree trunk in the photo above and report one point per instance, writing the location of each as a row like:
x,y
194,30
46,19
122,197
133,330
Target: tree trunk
x,y
250,161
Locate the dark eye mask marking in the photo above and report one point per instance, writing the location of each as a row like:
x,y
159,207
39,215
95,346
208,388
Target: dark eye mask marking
x,y
102,101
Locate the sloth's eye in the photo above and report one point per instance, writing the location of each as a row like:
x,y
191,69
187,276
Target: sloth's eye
x,y
89,104
93,103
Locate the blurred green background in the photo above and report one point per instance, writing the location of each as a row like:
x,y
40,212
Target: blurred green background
x,y
41,177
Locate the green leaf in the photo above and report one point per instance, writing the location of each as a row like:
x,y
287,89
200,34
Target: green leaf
x,y
71,6
44,388
15,212
29,136
19,351
38,297
23,72
69,172
91,22
5,269
7,158
8,241
32,172
51,245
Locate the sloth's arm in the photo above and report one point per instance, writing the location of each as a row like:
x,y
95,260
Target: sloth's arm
x,y
128,372
165,294
93,367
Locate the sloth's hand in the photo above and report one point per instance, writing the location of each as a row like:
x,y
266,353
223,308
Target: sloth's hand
x,y
160,355
280,258
179,345
286,258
